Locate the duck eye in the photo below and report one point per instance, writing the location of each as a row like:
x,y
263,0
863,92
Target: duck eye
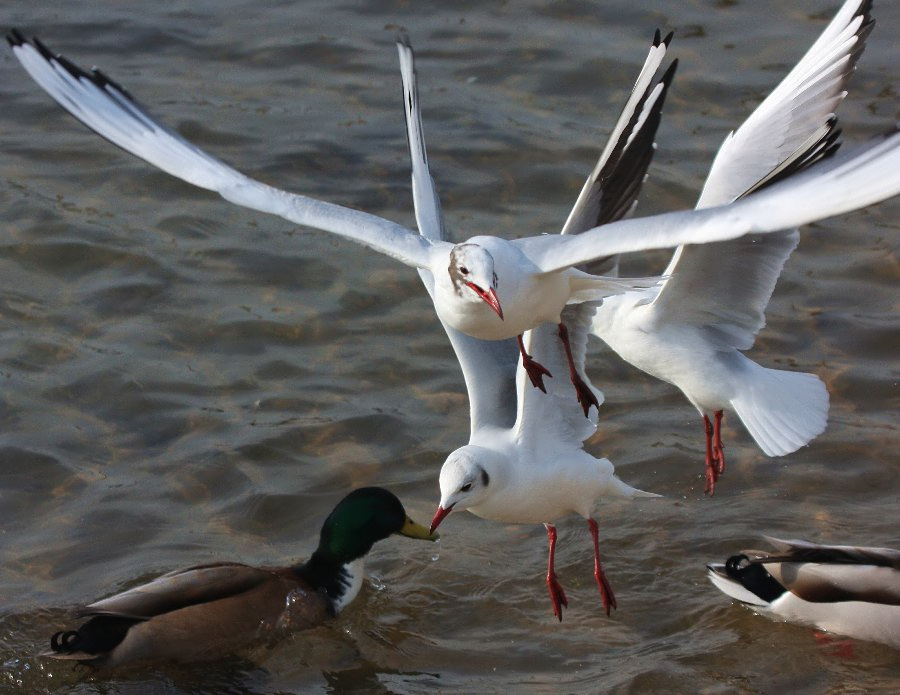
x,y
464,270
466,487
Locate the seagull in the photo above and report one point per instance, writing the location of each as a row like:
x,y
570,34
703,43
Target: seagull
x,y
691,328
525,462
849,590
486,287
211,610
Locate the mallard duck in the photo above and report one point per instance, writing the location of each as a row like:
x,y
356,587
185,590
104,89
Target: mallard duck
x,y
209,610
849,590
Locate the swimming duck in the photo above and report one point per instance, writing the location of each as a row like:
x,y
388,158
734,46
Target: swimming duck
x,y
209,610
849,590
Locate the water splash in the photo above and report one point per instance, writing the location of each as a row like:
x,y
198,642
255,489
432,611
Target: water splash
x,y
436,554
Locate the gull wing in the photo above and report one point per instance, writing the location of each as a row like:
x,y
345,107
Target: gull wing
x,y
553,423
427,204
804,100
792,128
831,187
488,366
110,111
610,192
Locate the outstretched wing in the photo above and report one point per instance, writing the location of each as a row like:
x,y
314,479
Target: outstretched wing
x,y
832,187
111,112
552,423
488,366
610,192
729,284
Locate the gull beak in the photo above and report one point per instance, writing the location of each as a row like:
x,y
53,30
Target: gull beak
x,y
439,516
489,297
413,530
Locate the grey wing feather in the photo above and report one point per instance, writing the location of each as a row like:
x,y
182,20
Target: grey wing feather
x,y
179,589
611,190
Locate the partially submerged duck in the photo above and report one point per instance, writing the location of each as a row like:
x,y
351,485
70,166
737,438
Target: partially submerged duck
x,y
848,590
209,610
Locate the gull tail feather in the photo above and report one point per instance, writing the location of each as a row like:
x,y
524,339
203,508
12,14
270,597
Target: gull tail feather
x,y
782,410
618,488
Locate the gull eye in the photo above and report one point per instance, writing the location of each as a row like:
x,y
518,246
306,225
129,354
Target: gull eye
x,y
466,487
463,270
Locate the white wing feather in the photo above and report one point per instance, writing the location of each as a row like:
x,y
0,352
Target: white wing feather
x,y
488,366
106,108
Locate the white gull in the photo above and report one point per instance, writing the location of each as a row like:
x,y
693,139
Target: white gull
x,y
528,280
525,461
691,328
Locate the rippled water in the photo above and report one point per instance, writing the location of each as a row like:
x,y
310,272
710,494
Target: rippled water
x,y
185,381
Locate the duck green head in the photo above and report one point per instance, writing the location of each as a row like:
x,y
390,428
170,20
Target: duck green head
x,y
364,517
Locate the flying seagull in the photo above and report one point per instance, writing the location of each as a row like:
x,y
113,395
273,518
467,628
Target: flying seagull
x,y
486,287
525,461
690,329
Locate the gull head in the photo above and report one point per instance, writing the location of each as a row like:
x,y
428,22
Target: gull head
x,y
464,482
472,274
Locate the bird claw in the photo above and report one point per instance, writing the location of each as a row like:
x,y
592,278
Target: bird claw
x,y
606,592
715,454
712,475
536,371
585,394
557,595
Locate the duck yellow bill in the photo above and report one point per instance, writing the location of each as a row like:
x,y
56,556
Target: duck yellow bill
x,y
413,530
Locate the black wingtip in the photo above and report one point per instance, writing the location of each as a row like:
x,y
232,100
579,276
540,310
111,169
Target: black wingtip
x,y
666,79
658,41
15,38
403,39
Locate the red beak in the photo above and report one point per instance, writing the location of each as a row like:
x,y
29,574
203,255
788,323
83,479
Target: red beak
x,y
489,298
439,516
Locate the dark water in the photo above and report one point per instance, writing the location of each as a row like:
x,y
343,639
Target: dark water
x,y
184,381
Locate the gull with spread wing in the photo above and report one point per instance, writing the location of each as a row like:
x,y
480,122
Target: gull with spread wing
x,y
486,286
690,329
525,462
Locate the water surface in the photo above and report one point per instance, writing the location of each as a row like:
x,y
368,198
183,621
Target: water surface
x,y
185,381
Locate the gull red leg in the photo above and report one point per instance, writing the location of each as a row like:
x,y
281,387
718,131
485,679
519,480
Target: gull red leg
x,y
718,450
557,595
712,469
606,592
583,392
535,370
